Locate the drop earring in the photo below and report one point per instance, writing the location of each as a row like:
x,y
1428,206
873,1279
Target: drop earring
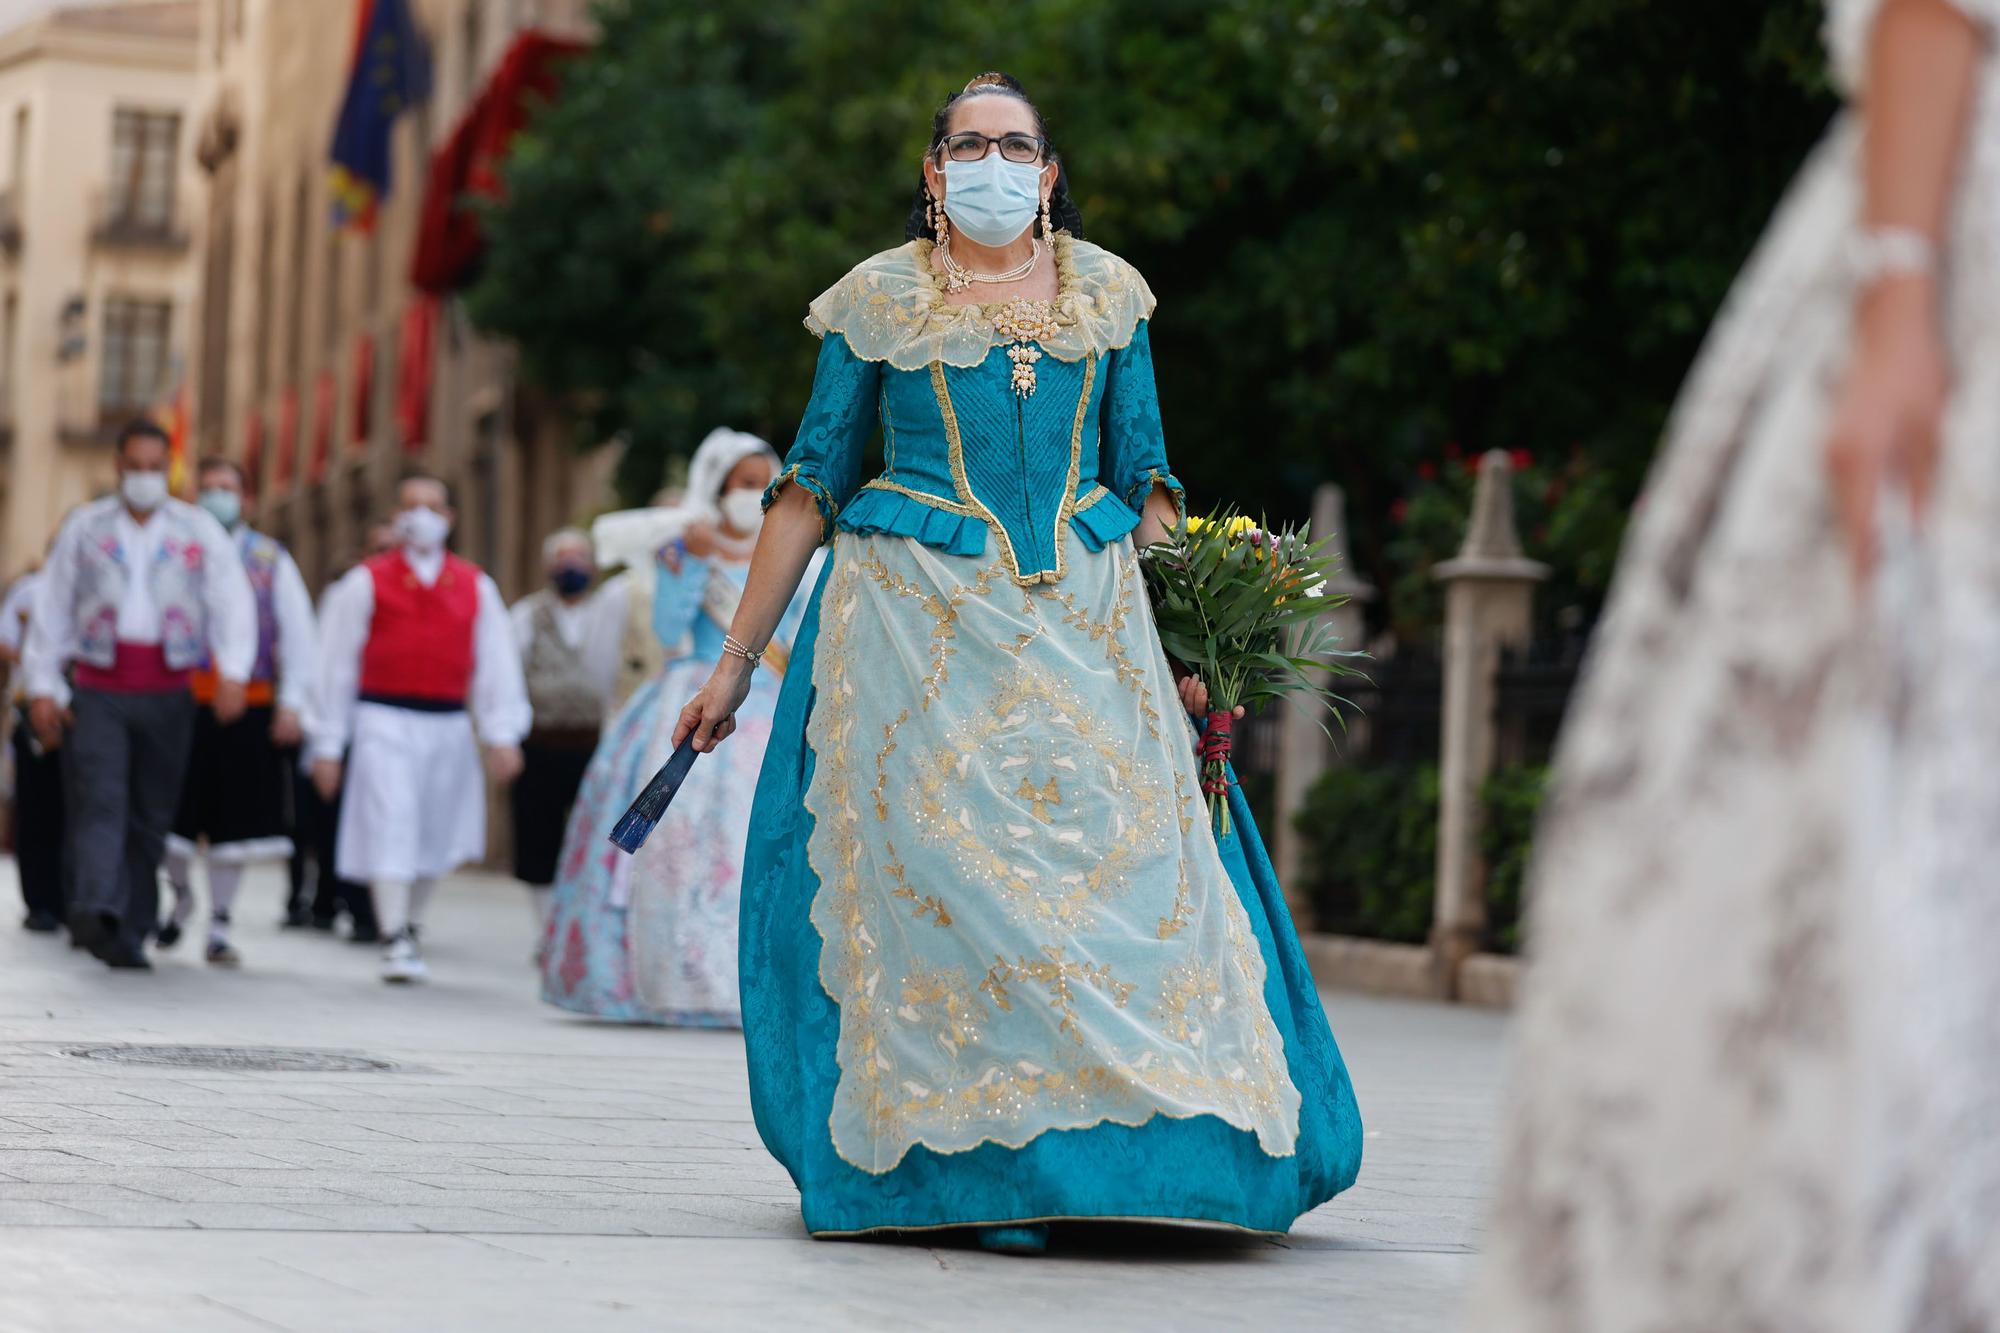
x,y
1048,227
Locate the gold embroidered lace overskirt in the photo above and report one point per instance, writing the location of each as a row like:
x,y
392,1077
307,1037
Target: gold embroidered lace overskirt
x,y
1026,923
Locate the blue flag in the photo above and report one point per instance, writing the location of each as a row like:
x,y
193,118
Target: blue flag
x,y
391,71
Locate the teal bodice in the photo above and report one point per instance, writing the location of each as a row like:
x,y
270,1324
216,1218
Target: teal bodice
x,y
966,454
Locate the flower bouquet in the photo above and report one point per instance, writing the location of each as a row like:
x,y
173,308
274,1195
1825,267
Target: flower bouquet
x,y
1243,606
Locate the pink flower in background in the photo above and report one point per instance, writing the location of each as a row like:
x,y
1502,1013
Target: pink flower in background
x,y
1521,459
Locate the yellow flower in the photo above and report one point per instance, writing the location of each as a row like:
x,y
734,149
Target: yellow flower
x,y
1195,525
1241,524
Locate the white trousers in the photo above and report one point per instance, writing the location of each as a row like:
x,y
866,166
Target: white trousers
x,y
415,804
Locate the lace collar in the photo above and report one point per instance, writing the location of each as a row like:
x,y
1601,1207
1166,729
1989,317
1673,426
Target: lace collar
x,y
892,308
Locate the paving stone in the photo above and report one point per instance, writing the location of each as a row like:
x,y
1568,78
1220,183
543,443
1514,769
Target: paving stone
x,y
520,1169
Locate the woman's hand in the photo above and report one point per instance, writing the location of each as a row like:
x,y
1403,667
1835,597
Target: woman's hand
x,y
1157,517
710,717
699,539
1194,696
1885,421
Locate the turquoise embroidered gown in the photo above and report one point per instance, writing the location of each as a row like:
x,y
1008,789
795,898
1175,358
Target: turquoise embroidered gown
x,y
996,966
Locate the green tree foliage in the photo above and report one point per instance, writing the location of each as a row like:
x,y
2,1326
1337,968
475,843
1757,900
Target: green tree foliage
x,y
1374,226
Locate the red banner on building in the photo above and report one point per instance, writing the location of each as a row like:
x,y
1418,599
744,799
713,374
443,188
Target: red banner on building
x,y
414,356
322,427
253,454
449,240
362,403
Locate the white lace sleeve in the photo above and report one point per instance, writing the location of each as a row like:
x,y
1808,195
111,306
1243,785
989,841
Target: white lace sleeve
x,y
1849,23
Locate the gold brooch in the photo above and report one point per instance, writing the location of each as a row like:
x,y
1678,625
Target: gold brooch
x,y
1025,322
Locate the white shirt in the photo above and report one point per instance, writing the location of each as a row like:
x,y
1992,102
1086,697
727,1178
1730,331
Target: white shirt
x,y
15,611
594,626
298,636
231,606
499,696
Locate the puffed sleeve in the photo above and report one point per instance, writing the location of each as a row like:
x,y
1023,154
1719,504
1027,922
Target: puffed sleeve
x,y
826,456
1133,448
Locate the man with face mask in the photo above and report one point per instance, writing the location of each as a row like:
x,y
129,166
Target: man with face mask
x,y
412,641
237,794
569,640
140,590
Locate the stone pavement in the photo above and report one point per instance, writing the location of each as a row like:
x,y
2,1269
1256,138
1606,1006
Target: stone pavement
x,y
519,1169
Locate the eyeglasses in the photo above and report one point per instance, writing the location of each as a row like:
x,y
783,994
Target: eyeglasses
x,y
973,147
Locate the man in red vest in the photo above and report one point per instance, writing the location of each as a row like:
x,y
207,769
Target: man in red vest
x,y
417,651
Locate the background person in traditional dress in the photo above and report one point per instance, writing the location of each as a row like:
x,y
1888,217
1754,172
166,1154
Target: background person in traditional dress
x,y
319,894
652,938
569,639
412,640
238,795
983,900
36,822
629,541
1757,1083
140,589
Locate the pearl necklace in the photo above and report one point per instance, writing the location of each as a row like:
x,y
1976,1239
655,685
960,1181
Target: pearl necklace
x,y
958,277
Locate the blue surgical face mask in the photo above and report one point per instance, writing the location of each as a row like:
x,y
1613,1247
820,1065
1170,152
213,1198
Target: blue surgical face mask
x,y
570,580
226,507
992,200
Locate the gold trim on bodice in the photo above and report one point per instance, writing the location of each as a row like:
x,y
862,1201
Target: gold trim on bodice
x,y
971,504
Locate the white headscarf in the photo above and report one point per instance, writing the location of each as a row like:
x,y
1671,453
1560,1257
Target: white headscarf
x,y
631,536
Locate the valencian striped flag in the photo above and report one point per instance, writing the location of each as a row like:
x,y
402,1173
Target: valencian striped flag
x,y
391,71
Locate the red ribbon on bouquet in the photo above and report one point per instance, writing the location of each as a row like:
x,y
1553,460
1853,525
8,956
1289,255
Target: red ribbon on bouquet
x,y
1215,743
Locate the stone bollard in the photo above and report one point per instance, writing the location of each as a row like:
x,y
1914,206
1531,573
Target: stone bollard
x,y
1304,749
1489,602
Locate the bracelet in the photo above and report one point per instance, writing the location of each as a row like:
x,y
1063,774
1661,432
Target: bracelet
x,y
1887,252
735,647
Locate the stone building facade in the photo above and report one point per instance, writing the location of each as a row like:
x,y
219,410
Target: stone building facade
x,y
98,274
304,348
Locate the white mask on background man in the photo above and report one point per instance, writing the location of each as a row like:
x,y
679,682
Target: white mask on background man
x,y
225,507
423,529
144,491
743,509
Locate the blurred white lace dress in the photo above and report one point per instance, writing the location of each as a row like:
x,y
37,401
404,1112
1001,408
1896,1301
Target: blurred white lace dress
x,y
1757,1079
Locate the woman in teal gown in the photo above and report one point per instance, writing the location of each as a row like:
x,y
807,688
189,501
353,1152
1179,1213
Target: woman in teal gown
x,y
997,968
